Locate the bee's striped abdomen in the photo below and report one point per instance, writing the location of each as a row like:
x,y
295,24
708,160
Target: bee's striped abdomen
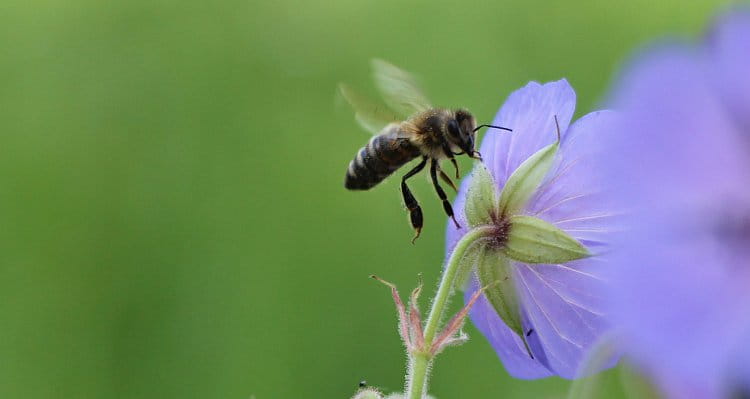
x,y
378,159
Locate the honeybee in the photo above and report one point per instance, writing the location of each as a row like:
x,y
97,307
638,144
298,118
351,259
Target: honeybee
x,y
430,133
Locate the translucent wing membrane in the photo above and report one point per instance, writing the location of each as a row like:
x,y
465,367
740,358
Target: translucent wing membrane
x,y
399,88
369,114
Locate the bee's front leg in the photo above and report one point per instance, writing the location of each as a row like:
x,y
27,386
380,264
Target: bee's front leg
x,y
448,153
444,198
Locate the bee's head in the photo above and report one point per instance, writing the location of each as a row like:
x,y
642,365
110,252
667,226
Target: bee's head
x,y
461,131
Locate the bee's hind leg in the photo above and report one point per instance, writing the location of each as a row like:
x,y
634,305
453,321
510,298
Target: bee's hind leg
x,y
415,211
446,205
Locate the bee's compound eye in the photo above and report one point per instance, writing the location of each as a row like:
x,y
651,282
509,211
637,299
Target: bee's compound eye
x,y
453,129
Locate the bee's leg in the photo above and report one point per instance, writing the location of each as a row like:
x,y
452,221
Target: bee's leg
x,y
455,165
415,211
446,205
446,179
448,153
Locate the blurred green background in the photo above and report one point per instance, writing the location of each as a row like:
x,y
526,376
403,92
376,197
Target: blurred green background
x,y
174,222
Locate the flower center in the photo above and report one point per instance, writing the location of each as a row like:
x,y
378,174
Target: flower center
x,y
500,232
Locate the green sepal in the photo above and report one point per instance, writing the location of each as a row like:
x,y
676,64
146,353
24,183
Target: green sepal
x,y
495,273
466,265
481,197
532,240
522,184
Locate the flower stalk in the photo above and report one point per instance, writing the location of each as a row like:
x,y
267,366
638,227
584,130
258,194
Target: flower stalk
x,y
420,360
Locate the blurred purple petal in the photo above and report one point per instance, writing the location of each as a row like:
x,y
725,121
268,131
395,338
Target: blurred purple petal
x,y
660,131
680,274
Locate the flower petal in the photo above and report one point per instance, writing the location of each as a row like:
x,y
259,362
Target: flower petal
x,y
682,315
530,112
575,195
564,301
684,154
566,317
680,297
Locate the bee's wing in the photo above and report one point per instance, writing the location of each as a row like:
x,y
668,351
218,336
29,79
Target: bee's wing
x,y
399,88
370,115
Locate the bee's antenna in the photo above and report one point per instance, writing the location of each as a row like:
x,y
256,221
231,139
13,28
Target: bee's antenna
x,y
492,127
558,128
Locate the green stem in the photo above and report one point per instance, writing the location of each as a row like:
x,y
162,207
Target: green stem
x,y
419,366
420,362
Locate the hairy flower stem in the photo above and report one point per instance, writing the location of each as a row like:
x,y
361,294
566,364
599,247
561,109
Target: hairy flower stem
x,y
419,367
420,362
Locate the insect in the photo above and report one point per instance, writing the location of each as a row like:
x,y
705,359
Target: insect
x,y
429,133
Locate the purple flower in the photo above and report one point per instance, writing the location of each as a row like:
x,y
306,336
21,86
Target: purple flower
x,y
559,303
681,271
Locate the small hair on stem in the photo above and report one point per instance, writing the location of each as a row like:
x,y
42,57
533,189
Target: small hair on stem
x,y
492,127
